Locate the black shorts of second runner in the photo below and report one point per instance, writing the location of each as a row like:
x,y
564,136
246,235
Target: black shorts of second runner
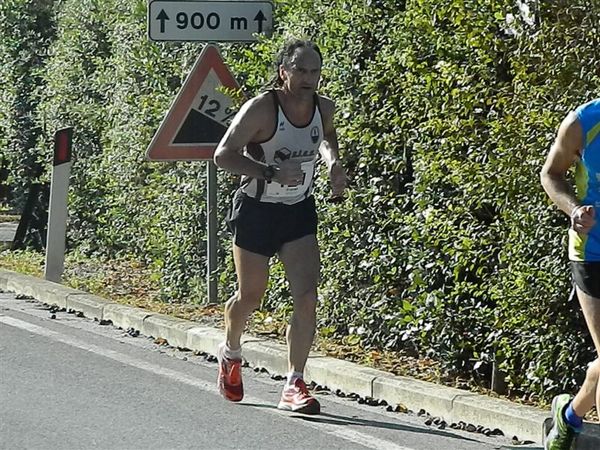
x,y
263,228
586,275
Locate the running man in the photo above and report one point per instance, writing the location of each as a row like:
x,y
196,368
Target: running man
x,y
273,143
578,142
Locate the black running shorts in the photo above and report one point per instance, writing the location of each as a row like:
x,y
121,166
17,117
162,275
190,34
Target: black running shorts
x,y
586,275
263,228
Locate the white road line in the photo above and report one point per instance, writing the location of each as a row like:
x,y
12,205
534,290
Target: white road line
x,y
353,436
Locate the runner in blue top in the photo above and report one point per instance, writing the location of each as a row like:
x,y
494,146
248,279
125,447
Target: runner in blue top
x,y
578,142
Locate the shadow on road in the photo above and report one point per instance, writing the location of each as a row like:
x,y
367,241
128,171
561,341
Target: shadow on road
x,y
334,419
519,447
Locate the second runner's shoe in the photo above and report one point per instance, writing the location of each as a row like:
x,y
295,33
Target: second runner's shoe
x,y
296,398
561,435
229,380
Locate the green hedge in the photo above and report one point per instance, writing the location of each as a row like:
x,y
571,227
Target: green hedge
x,y
446,245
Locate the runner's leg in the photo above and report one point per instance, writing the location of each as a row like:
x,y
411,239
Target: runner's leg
x,y
301,261
589,394
252,271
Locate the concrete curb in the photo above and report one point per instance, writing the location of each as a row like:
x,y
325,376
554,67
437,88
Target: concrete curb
x,y
90,305
453,405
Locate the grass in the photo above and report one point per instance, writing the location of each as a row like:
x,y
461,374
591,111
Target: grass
x,y
7,214
9,218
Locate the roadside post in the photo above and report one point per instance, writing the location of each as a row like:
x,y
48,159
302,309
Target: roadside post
x,y
57,212
200,114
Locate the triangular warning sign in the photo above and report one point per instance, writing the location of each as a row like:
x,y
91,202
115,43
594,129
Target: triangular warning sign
x,y
199,115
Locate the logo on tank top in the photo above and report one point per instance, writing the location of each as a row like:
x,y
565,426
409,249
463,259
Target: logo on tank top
x,y
314,134
281,126
282,154
302,153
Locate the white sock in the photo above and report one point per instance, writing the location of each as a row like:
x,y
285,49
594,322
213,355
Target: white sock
x,y
292,377
230,353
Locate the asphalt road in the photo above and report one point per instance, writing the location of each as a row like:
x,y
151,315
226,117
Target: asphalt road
x,y
70,383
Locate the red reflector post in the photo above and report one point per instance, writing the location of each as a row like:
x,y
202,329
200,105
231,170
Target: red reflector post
x,y
62,146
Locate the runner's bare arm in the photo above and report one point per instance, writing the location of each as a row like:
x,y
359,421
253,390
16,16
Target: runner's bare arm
x,y
564,152
247,126
329,150
329,147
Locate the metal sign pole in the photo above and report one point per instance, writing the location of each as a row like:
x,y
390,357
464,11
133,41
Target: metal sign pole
x,y
211,232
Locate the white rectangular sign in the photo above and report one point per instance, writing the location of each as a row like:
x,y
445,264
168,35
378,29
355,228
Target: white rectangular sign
x,y
213,21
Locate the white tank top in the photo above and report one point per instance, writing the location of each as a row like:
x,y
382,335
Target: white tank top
x,y
287,142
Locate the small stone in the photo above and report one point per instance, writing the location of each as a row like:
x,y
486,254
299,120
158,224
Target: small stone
x,y
79,314
421,412
389,408
497,432
429,421
400,408
454,426
471,428
53,316
486,431
442,425
371,401
382,403
361,401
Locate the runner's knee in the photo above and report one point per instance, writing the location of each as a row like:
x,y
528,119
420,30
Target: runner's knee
x,y
251,298
593,370
305,305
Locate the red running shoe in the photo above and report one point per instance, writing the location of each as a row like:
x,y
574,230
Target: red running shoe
x,y
230,376
296,398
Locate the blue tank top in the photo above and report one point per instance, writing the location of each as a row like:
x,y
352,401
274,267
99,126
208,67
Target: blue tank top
x,y
584,247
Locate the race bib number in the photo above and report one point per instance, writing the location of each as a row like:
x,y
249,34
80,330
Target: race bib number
x,y
277,190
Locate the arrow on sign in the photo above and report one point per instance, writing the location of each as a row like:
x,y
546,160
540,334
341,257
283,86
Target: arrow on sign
x,y
162,16
260,18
